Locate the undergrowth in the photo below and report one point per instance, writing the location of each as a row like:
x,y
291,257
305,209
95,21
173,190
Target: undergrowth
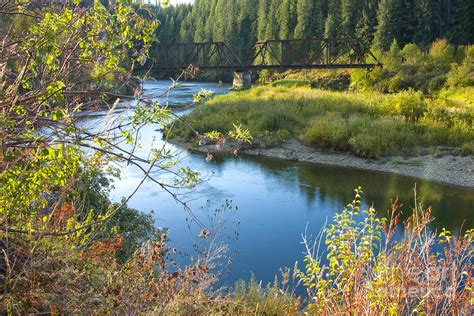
x,y
368,124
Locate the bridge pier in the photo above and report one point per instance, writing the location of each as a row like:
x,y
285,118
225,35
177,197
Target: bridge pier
x,y
242,80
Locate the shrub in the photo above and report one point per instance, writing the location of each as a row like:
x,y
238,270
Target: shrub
x,y
329,130
450,115
436,84
438,69
462,75
332,81
276,119
412,54
368,124
379,137
368,272
442,53
409,104
274,299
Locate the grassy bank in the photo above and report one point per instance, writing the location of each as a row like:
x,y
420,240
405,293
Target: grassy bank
x,y
368,124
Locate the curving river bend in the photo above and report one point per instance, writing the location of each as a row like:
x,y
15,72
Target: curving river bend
x,y
277,200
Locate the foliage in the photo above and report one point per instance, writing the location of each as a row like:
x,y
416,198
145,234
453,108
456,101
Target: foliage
x,y
240,23
408,104
273,299
135,228
64,247
202,95
368,124
327,131
367,271
440,68
462,75
57,279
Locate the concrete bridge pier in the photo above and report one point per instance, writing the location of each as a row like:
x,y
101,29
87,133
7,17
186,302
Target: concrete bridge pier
x,y
242,80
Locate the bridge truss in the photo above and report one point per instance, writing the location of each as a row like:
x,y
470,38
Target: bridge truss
x,y
312,53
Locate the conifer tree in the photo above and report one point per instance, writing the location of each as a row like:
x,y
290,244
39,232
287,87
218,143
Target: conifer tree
x,y
262,18
388,23
350,14
427,21
333,26
461,22
367,23
241,22
284,19
272,29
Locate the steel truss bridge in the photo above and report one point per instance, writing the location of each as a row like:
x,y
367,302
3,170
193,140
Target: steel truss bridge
x,y
311,53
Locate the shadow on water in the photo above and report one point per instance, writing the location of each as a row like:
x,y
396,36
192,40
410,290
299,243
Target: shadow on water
x,y
452,206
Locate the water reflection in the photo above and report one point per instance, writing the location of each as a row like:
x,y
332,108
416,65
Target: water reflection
x,y
278,200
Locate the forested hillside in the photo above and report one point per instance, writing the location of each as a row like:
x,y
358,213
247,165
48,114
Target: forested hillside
x,y
240,23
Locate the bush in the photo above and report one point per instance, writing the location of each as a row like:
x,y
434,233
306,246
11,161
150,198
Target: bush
x,y
369,272
408,103
450,115
437,83
379,137
442,53
333,81
462,75
276,119
430,72
329,130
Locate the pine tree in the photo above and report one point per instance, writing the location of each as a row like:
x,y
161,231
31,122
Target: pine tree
x,y
219,23
293,18
407,19
170,31
318,17
242,22
262,18
368,21
272,27
333,27
284,19
350,14
427,21
303,26
461,24
389,23
247,22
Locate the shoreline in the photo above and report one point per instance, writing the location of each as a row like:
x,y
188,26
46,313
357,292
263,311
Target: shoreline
x,y
447,169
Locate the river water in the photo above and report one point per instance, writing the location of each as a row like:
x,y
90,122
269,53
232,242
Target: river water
x,y
277,200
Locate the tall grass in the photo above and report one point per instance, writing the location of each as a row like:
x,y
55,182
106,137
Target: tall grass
x,y
369,124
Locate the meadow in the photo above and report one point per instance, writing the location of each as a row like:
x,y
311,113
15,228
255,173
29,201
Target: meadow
x,y
369,124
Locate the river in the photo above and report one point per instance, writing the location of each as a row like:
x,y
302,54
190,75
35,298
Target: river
x,y
277,200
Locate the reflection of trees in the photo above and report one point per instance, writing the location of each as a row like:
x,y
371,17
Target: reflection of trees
x,y
334,185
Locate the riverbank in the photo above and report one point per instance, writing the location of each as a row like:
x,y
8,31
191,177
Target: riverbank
x,y
454,170
443,168
403,133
